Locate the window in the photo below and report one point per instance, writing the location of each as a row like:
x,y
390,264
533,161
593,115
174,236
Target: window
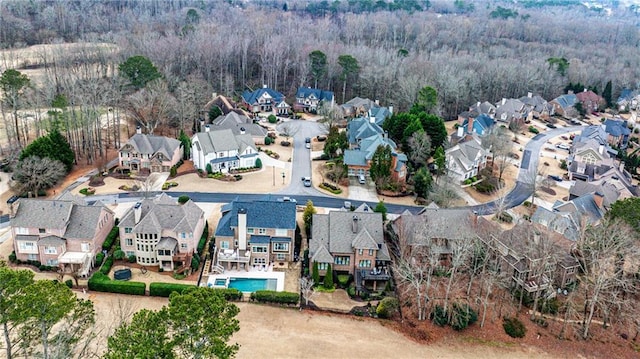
x,y
259,249
281,256
130,253
42,230
183,235
27,246
22,230
258,261
50,250
224,244
262,231
32,257
281,232
128,230
280,247
183,245
360,251
370,252
250,230
342,261
52,262
365,263
128,241
323,266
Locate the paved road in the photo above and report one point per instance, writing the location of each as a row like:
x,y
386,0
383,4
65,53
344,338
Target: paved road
x,y
301,162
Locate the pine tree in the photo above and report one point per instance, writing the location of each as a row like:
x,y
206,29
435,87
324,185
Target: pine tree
x,y
328,278
315,274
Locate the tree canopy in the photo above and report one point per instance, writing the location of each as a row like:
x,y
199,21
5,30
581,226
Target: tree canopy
x,y
381,163
139,70
318,62
627,210
336,140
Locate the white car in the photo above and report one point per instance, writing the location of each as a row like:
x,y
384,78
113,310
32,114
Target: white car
x,y
306,181
563,146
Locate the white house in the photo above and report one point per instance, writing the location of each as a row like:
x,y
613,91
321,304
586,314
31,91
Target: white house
x,y
466,159
223,150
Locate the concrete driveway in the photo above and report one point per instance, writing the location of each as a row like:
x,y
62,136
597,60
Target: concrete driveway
x,y
362,192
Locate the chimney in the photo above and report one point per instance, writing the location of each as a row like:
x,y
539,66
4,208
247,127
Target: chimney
x,y
598,198
264,86
601,149
584,90
570,92
621,168
242,130
385,135
470,124
529,94
478,105
391,109
207,128
214,95
137,212
377,102
13,206
138,130
460,131
242,229
354,224
201,124
504,100
372,119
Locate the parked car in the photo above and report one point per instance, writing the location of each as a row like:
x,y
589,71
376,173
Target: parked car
x,y
361,179
306,181
551,125
563,146
555,178
307,140
307,146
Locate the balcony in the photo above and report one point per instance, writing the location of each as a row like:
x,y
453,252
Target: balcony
x,y
535,284
236,256
375,274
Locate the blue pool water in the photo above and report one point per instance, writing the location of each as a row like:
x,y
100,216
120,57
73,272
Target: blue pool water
x,y
250,285
220,282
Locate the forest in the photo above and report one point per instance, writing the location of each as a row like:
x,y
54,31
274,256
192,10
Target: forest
x,y
468,51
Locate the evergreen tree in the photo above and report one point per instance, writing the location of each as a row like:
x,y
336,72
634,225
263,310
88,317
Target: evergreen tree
x,y
328,278
315,274
381,208
606,94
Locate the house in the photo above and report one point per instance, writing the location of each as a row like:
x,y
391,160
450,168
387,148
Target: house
x,y
265,100
225,104
628,100
486,108
618,132
588,160
590,100
564,105
239,125
256,233
357,107
378,114
222,150
155,153
310,100
508,110
352,243
480,125
364,136
537,107
161,233
569,218
65,233
613,185
466,158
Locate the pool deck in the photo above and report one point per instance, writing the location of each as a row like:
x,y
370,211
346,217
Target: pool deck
x,y
252,273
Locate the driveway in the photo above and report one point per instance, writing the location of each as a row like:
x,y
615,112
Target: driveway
x,y
362,192
301,158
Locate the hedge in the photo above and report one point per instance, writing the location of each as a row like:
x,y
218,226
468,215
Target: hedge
x,y
106,266
111,237
158,289
271,296
102,283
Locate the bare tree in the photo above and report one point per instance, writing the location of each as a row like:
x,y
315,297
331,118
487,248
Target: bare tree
x,y
331,114
500,145
307,289
420,145
34,174
151,106
443,194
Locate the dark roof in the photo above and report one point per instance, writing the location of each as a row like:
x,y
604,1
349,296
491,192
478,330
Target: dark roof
x,y
267,212
321,95
150,144
252,97
616,128
259,239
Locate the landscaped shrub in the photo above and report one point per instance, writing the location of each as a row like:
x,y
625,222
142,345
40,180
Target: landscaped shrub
x,y
331,188
99,258
271,296
101,283
504,217
68,283
343,280
328,278
259,162
195,263
514,328
131,258
485,187
439,316
208,168
111,237
13,257
533,130
272,119
118,254
88,191
563,164
351,290
157,289
268,140
387,307
462,316
183,199
106,266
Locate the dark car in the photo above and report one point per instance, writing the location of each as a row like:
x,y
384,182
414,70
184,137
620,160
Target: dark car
x,y
551,125
555,178
307,140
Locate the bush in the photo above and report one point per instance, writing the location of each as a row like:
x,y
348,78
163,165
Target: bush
x,y
183,199
69,283
272,119
157,289
268,140
526,204
563,164
88,191
13,258
439,316
99,258
131,258
331,188
514,328
462,316
550,306
106,267
533,130
387,307
351,290
111,238
173,172
195,263
270,296
118,254
258,163
101,283
343,280
485,187
328,278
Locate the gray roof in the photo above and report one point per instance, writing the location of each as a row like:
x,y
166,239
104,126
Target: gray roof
x,y
26,237
441,223
84,221
355,158
42,213
51,241
235,122
161,213
322,255
344,231
223,140
167,243
150,144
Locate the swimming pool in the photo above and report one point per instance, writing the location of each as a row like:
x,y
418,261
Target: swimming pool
x,y
250,285
220,282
